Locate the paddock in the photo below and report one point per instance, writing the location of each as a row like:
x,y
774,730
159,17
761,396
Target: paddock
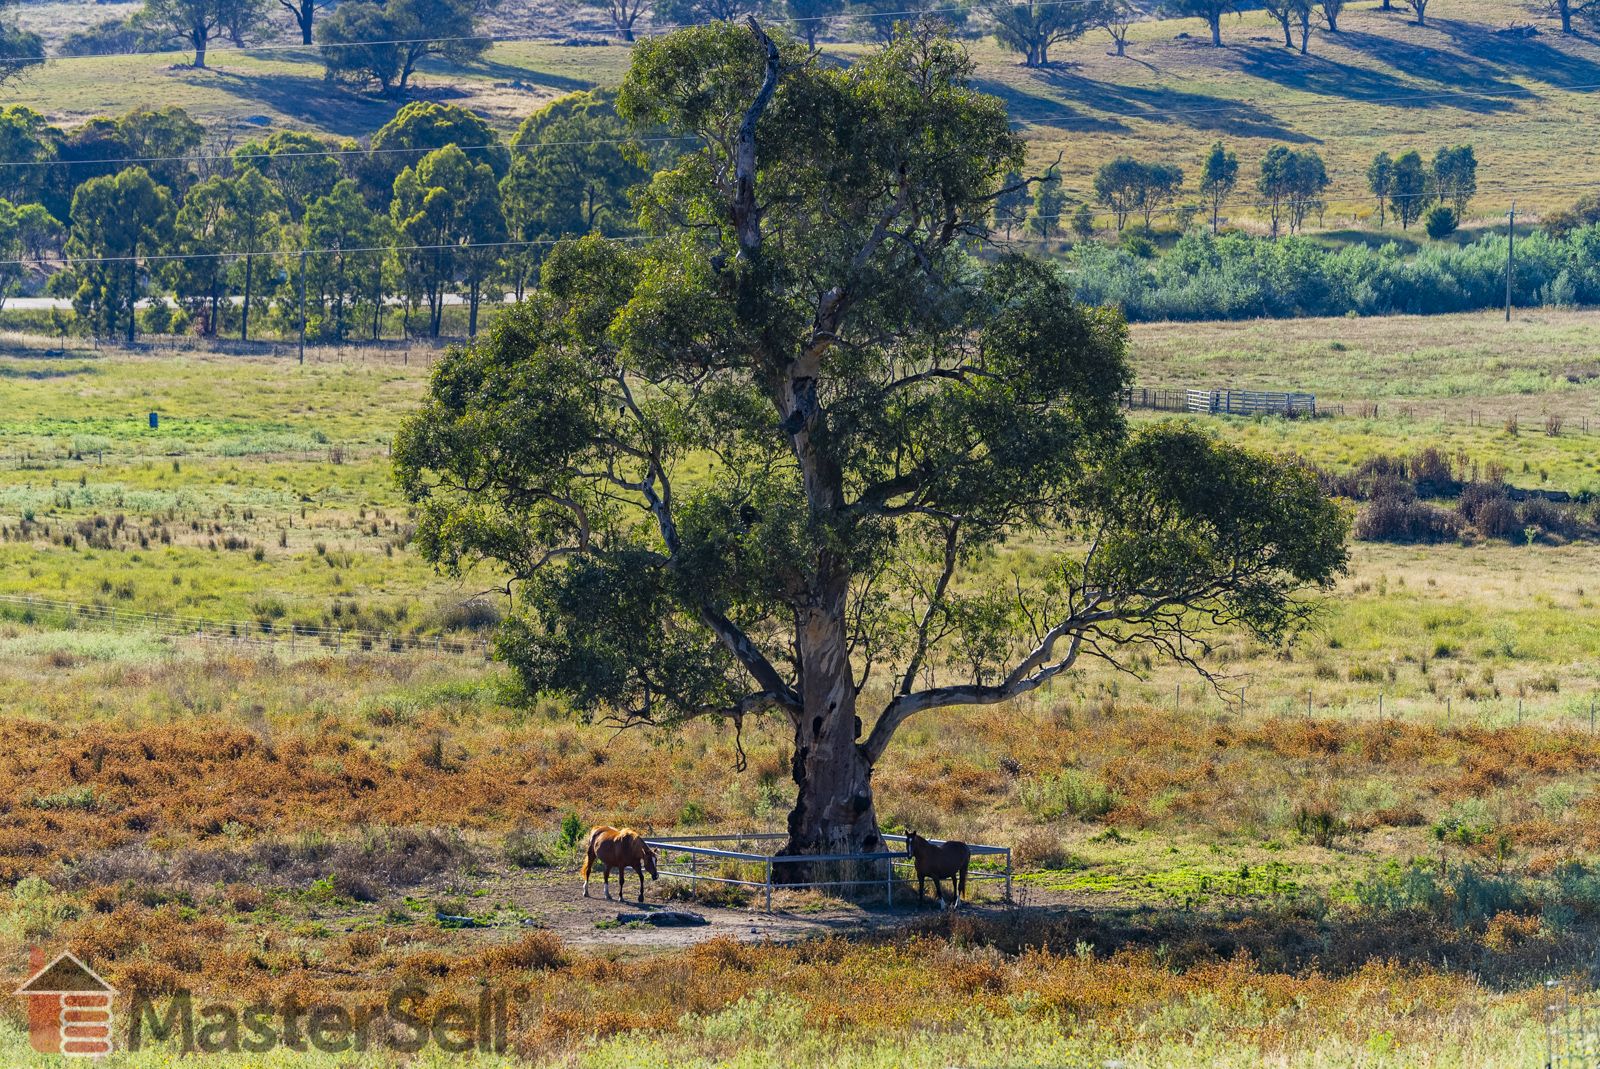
x,y
692,857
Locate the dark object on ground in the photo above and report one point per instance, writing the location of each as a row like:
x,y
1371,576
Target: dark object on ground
x,y
667,918
449,920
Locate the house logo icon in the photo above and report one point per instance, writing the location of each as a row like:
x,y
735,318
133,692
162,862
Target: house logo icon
x,y
69,1007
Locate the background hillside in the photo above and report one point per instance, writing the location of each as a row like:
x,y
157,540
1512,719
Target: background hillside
x,y
1494,73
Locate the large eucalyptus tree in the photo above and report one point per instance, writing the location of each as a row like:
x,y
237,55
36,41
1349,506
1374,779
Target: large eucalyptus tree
x,y
772,459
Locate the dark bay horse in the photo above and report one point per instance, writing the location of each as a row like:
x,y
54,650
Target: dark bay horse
x,y
945,861
621,849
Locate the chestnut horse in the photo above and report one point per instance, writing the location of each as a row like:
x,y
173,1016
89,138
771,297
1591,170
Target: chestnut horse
x,y
620,849
946,861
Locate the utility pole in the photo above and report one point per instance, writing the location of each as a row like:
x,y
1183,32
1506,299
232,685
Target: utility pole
x,y
302,306
1511,254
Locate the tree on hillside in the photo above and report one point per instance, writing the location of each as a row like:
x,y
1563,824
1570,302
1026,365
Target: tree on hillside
x,y
1411,190
1567,10
1011,203
1117,18
1421,8
365,42
1048,202
1120,184
1380,180
880,19
20,50
1030,28
872,417
1331,10
446,213
304,13
1209,10
1455,176
1291,182
1288,13
690,12
573,165
196,23
116,220
810,18
623,14
298,164
39,234
1218,177
1162,184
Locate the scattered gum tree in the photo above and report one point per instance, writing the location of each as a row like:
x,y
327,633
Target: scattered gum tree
x,y
1218,177
1211,11
770,461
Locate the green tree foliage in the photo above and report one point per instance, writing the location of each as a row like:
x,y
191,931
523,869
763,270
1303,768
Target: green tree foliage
x,y
870,416
1011,203
445,211
199,276
365,42
163,139
1126,185
1291,183
116,219
1032,27
1048,204
1211,11
1218,177
1411,190
345,273
297,164
196,23
1380,180
878,20
1440,222
421,127
20,50
39,234
1455,176
27,141
573,164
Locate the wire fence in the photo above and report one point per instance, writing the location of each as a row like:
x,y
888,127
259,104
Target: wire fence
x,y
1571,1027
296,637
746,861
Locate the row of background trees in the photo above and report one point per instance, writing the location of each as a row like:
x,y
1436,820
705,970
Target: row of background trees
x,y
381,42
435,205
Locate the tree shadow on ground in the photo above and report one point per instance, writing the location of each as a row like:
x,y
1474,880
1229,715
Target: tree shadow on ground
x,y
1277,940
1524,57
305,99
1341,81
1448,77
1151,103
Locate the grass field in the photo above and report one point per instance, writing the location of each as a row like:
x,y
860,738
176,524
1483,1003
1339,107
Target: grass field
x,y
1369,849
1381,83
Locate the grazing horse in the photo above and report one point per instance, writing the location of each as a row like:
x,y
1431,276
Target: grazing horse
x,y
946,861
621,849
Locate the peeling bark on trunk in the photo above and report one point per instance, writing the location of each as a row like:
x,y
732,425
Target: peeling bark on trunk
x,y
833,812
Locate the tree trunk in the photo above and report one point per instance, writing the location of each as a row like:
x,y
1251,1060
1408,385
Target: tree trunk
x,y
133,292
472,311
1216,31
244,322
200,37
833,811
305,23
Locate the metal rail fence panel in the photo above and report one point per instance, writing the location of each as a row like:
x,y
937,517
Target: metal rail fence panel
x,y
686,852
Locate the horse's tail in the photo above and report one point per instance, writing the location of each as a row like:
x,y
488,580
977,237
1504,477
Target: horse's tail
x,y
588,861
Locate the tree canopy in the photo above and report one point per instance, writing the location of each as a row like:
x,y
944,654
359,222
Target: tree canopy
x,y
770,460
